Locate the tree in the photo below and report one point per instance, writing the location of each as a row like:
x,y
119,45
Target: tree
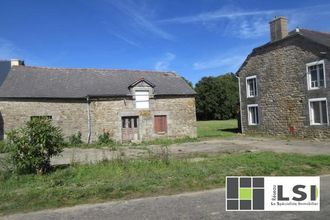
x,y
31,147
188,82
217,97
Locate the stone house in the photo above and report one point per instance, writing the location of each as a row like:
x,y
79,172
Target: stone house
x,y
129,105
285,84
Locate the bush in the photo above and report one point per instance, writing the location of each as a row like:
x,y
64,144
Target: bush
x,y
2,147
31,147
75,139
104,139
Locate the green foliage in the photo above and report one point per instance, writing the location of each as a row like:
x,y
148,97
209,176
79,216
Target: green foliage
x,y
75,139
125,179
188,82
3,148
217,97
104,139
161,153
31,147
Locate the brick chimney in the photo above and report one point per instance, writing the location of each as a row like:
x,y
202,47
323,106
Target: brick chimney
x,y
278,28
16,62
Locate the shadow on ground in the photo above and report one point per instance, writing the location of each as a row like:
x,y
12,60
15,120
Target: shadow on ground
x,y
232,130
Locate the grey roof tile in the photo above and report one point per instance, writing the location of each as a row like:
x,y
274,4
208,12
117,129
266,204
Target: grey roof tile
x,y
316,36
322,38
39,82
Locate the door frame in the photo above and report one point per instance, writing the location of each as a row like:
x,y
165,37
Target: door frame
x,y
131,117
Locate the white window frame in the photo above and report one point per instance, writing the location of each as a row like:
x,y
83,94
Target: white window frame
x,y
137,101
311,113
309,83
248,87
249,116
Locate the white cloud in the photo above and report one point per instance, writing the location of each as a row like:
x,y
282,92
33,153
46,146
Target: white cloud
x,y
165,62
231,21
216,15
231,63
248,23
253,28
137,14
8,50
125,39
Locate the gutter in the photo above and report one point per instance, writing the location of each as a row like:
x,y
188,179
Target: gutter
x,y
240,103
89,127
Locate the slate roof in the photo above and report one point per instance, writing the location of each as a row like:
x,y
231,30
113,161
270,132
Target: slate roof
x,y
322,38
316,36
39,82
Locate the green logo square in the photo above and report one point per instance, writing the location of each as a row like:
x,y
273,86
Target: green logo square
x,y
245,193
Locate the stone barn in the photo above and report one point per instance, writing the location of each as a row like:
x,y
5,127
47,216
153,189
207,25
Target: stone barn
x,y
285,84
129,105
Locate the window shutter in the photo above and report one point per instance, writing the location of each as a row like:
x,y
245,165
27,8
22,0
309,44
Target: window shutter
x,y
160,124
157,124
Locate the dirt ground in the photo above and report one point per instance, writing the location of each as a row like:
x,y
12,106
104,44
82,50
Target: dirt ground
x,y
215,146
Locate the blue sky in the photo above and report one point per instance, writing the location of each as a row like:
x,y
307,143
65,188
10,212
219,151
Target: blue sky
x,y
193,38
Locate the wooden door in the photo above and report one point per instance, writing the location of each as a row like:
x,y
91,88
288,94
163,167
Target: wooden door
x,y
130,128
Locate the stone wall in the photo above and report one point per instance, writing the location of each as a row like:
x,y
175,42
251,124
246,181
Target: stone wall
x,y
71,116
180,112
106,115
282,88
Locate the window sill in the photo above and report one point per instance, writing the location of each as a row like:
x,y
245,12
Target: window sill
x,y
316,88
321,125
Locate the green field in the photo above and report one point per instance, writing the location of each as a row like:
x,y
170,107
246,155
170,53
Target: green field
x,y
221,128
124,179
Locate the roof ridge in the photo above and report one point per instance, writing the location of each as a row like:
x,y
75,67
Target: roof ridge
x,y
96,69
320,32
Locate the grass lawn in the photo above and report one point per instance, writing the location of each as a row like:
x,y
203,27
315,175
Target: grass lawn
x,y
123,179
221,128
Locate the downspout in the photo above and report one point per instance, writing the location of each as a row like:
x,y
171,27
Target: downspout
x,y
240,103
89,127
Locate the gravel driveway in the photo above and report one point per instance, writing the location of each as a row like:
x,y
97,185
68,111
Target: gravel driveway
x,y
237,144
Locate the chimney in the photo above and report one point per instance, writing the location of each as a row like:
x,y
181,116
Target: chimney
x,y
278,28
16,62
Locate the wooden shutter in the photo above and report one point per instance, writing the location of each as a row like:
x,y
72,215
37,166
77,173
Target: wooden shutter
x,y
160,124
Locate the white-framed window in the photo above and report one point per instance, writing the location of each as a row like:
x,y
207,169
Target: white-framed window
x,y
251,86
316,75
318,111
253,114
142,98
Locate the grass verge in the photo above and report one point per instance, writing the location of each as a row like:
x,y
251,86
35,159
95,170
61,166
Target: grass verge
x,y
124,179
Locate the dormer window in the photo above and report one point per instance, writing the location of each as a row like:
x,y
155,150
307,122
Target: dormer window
x,y
142,99
142,90
316,75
